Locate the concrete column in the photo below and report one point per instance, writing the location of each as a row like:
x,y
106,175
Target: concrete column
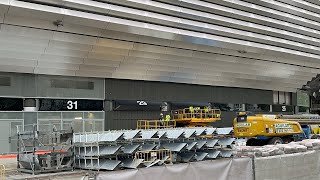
x,y
296,109
108,105
31,104
243,107
270,108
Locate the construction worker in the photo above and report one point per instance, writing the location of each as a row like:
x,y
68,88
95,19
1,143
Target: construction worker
x,y
168,117
191,109
206,112
161,117
197,112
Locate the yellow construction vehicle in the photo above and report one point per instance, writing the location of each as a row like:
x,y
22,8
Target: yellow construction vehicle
x,y
182,118
273,129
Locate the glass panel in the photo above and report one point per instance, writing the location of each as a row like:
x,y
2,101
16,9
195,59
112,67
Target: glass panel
x,y
67,124
98,126
88,125
288,98
72,115
275,97
29,119
13,135
77,125
11,115
56,124
282,98
44,125
93,115
49,125
49,115
13,145
14,129
303,109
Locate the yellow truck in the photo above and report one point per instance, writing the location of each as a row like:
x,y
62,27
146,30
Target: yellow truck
x,y
262,129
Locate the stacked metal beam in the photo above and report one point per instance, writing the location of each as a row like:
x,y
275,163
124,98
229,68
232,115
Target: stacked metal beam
x,y
111,150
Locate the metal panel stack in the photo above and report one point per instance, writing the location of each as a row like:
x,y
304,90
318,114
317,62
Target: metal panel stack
x,y
112,150
45,150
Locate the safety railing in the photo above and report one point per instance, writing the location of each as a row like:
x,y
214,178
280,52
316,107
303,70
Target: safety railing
x,y
196,113
2,172
155,124
150,156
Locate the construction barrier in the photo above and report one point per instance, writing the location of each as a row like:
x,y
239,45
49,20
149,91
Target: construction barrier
x,y
223,169
288,166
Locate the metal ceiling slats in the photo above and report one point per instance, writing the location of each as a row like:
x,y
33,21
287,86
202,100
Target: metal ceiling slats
x,y
219,29
82,47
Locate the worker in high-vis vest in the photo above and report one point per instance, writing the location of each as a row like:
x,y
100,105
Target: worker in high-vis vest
x,y
206,112
191,109
168,118
206,109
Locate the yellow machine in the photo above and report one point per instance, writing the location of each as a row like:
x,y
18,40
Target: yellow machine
x,y
199,117
183,117
273,129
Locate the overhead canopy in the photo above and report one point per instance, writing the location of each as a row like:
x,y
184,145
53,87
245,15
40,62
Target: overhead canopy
x,y
267,45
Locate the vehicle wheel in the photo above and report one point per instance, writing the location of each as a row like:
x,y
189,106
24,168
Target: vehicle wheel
x,y
251,142
315,136
275,140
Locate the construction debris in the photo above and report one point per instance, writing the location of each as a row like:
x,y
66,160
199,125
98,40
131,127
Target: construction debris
x,y
279,149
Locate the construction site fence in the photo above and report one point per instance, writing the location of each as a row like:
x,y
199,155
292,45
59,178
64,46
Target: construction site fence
x,y
155,124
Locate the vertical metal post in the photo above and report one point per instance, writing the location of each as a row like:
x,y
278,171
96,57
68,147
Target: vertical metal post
x,y
34,148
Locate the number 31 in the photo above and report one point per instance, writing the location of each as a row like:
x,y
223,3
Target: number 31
x,y
72,105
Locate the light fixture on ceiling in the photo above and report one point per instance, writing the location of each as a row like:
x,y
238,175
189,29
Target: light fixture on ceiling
x,y
58,23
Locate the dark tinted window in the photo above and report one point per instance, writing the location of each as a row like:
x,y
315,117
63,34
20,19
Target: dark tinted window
x,y
5,81
11,104
71,84
241,118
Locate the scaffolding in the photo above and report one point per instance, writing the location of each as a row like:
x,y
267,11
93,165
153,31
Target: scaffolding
x,y
45,150
155,124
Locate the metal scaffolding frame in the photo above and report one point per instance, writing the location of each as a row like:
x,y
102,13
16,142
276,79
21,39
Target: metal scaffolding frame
x,y
49,150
